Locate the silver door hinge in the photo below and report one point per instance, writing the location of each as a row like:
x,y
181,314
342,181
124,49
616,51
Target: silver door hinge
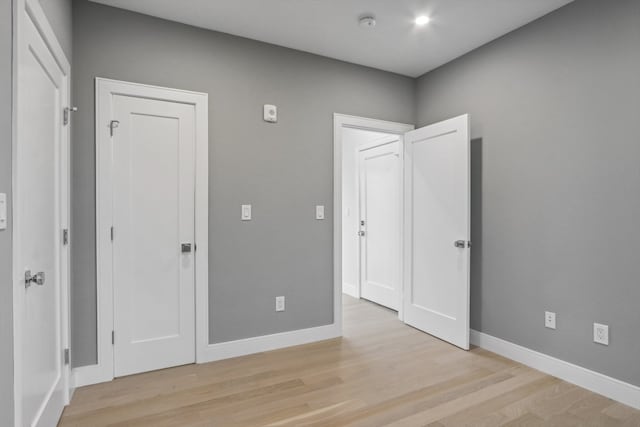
x,y
67,113
112,234
67,356
113,337
65,237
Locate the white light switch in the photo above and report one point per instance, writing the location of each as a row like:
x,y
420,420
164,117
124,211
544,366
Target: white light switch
x,y
246,212
3,211
319,212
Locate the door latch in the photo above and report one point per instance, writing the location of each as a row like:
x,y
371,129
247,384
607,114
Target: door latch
x,y
30,279
186,248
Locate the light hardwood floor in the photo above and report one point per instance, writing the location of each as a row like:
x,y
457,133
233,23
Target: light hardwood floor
x,y
381,372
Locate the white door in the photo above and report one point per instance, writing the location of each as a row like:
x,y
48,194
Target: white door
x,y
437,230
380,223
39,219
153,147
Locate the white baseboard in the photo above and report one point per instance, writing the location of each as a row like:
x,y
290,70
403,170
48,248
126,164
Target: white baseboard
x,y
88,375
253,345
612,388
350,289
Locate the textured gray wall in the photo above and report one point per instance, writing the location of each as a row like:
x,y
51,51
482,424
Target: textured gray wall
x,y
59,14
555,120
6,296
283,170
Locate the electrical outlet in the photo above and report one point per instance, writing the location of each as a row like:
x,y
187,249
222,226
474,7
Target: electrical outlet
x,y
550,319
601,334
279,303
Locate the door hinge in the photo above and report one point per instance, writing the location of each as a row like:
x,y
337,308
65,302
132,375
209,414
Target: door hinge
x,y
65,237
113,337
67,356
112,234
66,114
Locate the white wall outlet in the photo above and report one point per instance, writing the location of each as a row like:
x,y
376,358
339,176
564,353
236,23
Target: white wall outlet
x,y
279,303
601,334
550,319
3,211
270,113
246,213
319,212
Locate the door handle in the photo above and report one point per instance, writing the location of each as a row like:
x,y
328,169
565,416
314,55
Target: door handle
x,y
186,248
361,233
30,279
462,244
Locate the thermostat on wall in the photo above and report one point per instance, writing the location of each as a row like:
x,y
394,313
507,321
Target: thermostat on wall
x,y
270,113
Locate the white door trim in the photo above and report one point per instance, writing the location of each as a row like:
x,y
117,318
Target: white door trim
x,y
22,10
341,121
105,88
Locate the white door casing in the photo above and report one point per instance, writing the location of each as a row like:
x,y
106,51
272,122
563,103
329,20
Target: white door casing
x,y
40,200
437,221
152,188
380,186
153,214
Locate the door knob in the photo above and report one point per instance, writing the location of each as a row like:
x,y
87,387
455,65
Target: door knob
x,y
361,233
186,248
461,244
30,279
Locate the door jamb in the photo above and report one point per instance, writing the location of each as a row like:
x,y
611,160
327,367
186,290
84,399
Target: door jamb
x,y
32,8
341,121
104,370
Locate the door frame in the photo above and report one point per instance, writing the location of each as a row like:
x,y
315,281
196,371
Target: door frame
x,y
23,10
104,370
340,122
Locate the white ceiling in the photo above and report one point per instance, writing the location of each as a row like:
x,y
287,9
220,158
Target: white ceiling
x,y
330,27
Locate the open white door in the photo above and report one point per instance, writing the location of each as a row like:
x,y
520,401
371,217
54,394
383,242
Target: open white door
x,y
40,196
437,230
380,222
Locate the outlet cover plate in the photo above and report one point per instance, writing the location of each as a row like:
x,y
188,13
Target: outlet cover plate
x,y
550,319
279,303
601,334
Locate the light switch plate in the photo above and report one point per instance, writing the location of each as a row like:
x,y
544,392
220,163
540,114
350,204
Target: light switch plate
x,y
246,213
3,211
319,212
279,303
270,113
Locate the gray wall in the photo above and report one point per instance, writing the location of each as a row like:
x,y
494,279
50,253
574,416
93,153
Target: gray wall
x,y
59,14
283,170
555,120
6,296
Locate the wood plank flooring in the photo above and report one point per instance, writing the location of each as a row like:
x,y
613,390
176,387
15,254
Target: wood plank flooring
x,y
381,372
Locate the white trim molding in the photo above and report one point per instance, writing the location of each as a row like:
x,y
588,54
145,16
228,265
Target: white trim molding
x,y
612,388
105,88
243,347
340,122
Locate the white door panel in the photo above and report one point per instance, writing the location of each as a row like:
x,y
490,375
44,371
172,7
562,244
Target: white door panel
x,y
437,215
380,187
153,214
42,87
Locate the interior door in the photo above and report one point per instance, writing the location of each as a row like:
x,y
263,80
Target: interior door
x,y
380,222
153,233
437,230
42,88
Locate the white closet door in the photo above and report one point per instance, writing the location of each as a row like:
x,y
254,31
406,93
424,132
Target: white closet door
x,y
437,230
380,223
153,219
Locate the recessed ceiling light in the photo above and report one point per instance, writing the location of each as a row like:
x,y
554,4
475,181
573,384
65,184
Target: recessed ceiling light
x,y
422,20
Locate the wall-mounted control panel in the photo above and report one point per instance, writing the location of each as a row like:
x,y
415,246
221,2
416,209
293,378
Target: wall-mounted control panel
x,y
319,212
270,113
